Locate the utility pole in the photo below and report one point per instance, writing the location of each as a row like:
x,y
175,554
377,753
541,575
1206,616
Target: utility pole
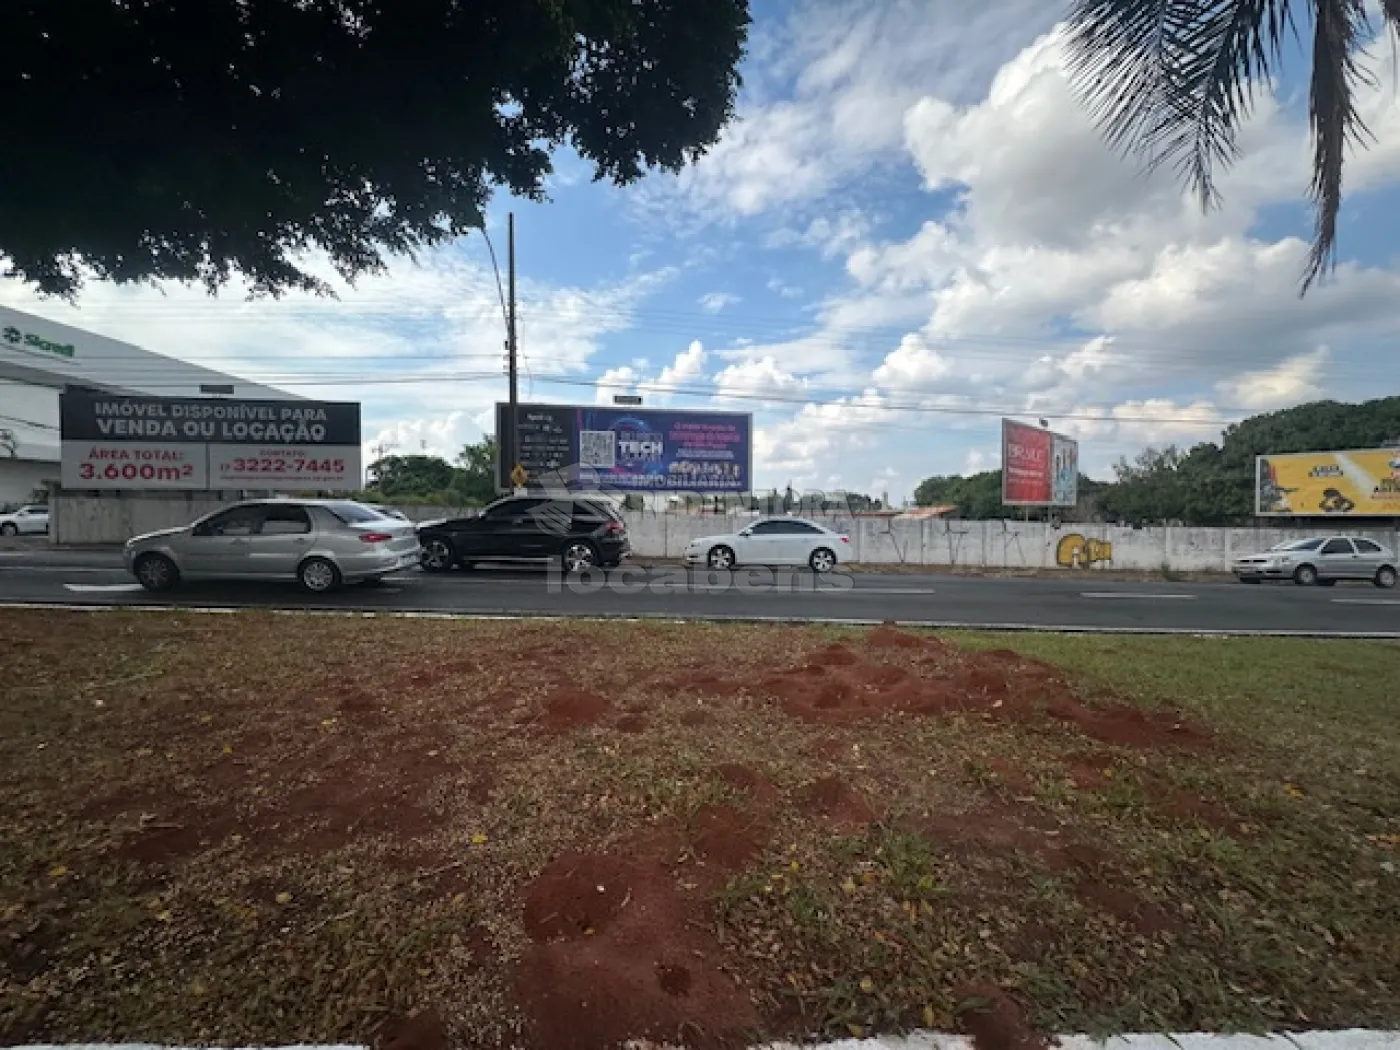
x,y
512,449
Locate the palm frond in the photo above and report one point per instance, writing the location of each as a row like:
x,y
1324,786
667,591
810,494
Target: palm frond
x,y
1340,28
1172,80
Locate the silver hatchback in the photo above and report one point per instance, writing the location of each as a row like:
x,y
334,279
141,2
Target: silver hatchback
x,y
318,543
1320,560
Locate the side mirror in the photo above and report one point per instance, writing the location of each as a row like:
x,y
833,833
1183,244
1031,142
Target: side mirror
x,y
746,532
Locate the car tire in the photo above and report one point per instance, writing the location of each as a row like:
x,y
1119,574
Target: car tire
x,y
156,573
438,555
578,556
823,560
318,576
721,558
9,529
1305,576
1385,577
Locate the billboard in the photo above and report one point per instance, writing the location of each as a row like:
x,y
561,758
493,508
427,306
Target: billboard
x,y
629,449
1038,468
116,441
1356,483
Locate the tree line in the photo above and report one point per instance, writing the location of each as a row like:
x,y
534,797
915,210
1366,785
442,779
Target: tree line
x,y
1207,484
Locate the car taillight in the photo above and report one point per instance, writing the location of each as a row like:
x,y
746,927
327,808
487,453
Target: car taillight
x,y
845,539
375,537
614,527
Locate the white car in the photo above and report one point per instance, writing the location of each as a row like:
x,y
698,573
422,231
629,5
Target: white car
x,y
26,521
773,541
1320,560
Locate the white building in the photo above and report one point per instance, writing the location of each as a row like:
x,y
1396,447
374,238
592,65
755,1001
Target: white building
x,y
39,357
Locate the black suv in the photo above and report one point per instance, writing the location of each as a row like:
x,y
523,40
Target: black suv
x,y
579,532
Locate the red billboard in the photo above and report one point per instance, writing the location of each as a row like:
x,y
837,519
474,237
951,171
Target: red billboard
x,y
1038,468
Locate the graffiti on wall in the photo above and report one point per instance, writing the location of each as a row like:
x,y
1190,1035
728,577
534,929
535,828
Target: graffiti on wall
x,y
1076,552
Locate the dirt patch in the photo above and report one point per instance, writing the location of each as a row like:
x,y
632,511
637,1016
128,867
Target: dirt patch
x,y
727,838
888,636
631,724
1011,775
422,1031
579,895
838,802
648,970
995,1021
1125,906
1089,772
698,717
834,655
569,708
749,781
1130,726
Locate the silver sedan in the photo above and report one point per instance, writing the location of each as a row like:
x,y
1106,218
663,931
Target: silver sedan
x,y
318,543
1321,560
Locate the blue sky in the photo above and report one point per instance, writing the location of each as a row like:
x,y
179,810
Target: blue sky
x,y
911,230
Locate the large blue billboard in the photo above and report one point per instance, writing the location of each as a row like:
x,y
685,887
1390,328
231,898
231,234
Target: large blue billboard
x,y
630,449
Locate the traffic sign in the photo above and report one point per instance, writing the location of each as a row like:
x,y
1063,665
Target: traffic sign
x,y
518,477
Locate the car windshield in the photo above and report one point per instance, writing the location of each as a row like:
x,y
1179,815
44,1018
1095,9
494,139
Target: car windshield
x,y
1297,545
354,513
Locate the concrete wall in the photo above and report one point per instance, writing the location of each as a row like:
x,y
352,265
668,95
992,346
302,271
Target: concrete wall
x,y
19,478
955,544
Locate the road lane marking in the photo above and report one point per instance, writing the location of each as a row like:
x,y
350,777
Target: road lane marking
x,y
1126,594
104,588
1366,601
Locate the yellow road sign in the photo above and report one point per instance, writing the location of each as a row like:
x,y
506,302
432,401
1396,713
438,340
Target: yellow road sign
x,y
518,477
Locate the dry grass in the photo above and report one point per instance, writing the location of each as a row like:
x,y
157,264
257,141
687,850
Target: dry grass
x,y
260,828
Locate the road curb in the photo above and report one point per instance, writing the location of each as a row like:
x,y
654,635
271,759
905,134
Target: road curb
x,y
805,621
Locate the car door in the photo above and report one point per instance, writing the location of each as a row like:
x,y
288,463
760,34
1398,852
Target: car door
x,y
278,546
802,539
535,528
496,533
1337,560
765,543
32,520
1369,557
220,544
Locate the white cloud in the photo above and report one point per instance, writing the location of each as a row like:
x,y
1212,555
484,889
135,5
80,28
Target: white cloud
x,y
914,365
686,371
616,381
1293,380
714,302
757,378
787,291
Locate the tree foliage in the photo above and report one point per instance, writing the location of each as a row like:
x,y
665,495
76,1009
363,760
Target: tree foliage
x,y
471,482
199,139
1173,81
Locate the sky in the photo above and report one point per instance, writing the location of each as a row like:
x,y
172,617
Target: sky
x,y
911,230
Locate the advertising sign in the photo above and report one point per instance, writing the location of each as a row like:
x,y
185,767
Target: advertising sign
x,y
1038,468
1357,483
113,441
630,449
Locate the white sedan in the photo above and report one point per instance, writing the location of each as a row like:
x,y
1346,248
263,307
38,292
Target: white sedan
x,y
27,521
773,541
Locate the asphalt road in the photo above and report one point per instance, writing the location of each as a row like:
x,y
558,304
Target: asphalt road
x,y
95,578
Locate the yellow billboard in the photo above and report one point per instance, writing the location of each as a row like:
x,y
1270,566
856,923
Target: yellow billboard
x,y
1359,483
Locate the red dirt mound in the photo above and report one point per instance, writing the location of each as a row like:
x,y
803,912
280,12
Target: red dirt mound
x,y
838,802
995,1021
834,655
569,708
888,636
652,971
698,717
422,1031
631,724
727,838
579,895
751,782
1130,726
1125,906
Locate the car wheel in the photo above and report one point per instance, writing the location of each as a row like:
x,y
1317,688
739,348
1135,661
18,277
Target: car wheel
x,y
1385,577
1305,576
579,557
822,560
318,576
720,557
438,555
9,529
156,572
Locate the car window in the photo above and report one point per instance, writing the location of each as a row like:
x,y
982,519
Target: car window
x,y
354,513
286,521
801,527
1367,547
1298,545
511,508
236,521
769,528
1337,547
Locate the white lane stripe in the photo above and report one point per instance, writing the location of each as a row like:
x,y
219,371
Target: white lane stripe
x,y
1127,594
1366,601
103,588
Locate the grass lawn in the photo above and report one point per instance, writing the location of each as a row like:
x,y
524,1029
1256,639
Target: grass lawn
x,y
262,828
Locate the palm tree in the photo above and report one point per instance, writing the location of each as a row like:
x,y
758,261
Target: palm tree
x,y
1171,81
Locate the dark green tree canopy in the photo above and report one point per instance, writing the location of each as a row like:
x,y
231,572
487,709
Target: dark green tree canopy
x,y
199,139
